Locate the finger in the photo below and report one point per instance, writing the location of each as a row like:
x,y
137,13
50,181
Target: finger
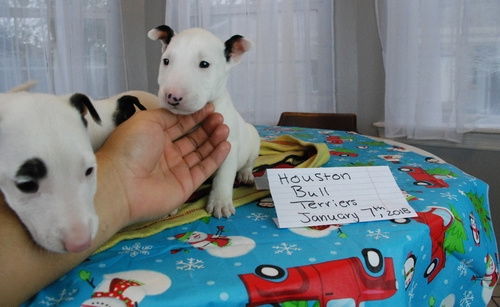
x,y
185,123
201,171
191,150
208,109
199,136
205,149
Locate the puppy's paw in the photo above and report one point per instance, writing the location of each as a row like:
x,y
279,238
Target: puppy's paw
x,y
245,176
219,207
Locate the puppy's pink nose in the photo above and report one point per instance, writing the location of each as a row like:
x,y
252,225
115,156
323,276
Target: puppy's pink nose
x,y
76,247
77,240
173,99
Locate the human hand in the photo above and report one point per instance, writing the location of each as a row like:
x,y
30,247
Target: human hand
x,y
159,161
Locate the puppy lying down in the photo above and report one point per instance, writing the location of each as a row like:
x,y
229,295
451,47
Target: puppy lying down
x,y
48,169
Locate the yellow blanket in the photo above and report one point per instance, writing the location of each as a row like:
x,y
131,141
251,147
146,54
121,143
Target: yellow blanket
x,y
283,151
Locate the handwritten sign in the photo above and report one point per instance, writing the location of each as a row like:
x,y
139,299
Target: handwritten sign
x,y
336,195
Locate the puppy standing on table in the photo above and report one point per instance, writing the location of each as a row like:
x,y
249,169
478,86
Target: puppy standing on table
x,y
193,71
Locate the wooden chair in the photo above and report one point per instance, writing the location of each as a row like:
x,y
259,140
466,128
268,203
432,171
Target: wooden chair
x,y
333,121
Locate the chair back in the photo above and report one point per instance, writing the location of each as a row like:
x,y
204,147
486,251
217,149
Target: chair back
x,y
333,121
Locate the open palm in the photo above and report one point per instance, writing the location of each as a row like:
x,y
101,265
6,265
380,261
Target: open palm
x,y
165,158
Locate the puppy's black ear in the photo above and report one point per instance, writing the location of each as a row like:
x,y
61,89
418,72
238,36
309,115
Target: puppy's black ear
x,y
125,108
83,104
235,47
163,33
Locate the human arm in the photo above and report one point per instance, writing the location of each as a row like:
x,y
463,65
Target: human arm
x,y
145,170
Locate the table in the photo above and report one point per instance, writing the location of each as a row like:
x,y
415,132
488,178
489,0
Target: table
x,y
447,255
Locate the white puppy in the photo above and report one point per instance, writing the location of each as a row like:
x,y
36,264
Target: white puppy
x,y
48,169
193,71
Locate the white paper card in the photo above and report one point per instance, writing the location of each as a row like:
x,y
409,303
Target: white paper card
x,y
336,195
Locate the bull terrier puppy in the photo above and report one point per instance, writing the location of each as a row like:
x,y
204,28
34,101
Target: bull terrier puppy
x,y
194,68
48,169
48,174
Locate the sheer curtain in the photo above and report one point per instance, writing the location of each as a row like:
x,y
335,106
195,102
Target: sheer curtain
x,y
290,67
442,63
66,46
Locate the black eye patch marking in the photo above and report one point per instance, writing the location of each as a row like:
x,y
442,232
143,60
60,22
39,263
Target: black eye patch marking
x,y
32,168
29,173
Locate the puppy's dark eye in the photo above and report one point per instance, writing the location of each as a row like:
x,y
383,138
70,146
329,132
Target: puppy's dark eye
x,y
89,171
204,64
27,186
166,61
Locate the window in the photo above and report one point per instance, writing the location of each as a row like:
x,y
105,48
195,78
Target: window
x,y
442,61
64,46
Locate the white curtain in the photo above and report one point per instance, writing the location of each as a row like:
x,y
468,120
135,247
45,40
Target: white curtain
x,y
442,64
291,66
64,45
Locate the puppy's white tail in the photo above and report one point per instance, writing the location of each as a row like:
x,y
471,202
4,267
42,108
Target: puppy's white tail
x,y
23,87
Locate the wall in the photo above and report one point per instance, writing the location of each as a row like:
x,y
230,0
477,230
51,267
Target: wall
x,y
142,55
153,48
358,59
